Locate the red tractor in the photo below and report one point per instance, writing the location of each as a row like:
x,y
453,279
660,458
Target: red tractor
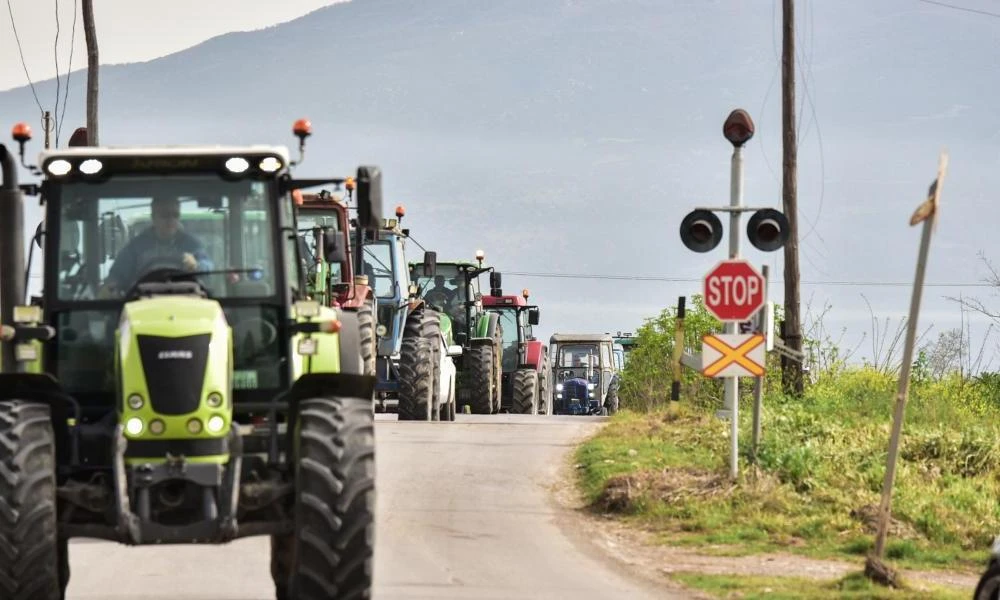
x,y
525,360
324,231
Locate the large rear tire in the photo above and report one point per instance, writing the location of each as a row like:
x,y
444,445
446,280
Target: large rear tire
x,y
432,331
416,371
481,379
989,583
332,550
366,328
34,564
544,391
525,400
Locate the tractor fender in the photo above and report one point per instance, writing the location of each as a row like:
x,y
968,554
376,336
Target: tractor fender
x,y
533,354
358,295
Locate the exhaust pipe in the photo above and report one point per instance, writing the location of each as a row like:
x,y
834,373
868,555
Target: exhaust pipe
x,y
11,252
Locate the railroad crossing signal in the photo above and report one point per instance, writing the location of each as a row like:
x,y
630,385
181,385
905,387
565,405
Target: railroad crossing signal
x,y
733,355
734,290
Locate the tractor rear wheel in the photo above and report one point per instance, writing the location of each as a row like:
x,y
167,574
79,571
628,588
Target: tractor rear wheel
x,y
432,331
544,393
34,562
330,555
612,401
366,327
480,378
416,371
525,401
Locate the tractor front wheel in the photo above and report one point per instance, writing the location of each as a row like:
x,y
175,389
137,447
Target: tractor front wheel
x,y
330,555
432,331
35,561
525,400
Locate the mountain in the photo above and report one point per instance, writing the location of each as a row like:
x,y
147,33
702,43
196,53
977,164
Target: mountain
x,y
572,136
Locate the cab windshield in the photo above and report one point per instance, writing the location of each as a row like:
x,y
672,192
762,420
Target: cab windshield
x,y
446,290
113,234
509,322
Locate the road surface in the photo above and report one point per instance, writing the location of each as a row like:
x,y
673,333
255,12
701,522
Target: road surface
x,y
464,510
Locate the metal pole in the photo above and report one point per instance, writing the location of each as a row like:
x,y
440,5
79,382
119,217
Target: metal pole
x,y
11,252
675,388
928,212
758,385
732,384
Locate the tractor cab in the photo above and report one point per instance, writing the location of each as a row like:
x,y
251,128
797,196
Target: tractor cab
x,y
524,359
585,374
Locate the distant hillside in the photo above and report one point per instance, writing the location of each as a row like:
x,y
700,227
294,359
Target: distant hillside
x,y
573,135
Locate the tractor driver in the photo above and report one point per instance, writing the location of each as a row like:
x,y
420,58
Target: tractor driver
x,y
165,242
439,294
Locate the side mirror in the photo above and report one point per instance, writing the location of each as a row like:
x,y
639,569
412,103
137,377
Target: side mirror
x,y
496,280
335,251
430,263
369,183
533,316
38,235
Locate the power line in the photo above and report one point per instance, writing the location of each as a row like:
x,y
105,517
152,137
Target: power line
x,y
698,279
971,10
69,73
23,63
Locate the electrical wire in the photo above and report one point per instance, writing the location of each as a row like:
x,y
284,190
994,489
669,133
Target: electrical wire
x,y
962,8
69,73
23,63
698,279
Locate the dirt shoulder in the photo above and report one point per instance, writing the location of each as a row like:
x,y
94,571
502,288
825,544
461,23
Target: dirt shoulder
x,y
641,553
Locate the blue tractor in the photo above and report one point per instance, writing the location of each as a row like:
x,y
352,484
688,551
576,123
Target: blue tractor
x,y
414,348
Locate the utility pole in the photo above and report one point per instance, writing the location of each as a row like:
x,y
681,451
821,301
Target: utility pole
x,y
791,370
92,64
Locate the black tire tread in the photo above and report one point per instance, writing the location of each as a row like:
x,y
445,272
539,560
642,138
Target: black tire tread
x,y
29,545
480,378
525,399
416,373
366,327
335,509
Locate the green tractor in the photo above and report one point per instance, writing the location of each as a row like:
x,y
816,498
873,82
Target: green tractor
x,y
453,290
168,390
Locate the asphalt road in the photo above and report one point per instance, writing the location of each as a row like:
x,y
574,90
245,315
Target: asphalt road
x,y
464,510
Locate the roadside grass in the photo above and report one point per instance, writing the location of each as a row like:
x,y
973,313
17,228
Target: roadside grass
x,y
795,588
817,483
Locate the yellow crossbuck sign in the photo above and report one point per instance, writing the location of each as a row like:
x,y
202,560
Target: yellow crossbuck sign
x,y
733,355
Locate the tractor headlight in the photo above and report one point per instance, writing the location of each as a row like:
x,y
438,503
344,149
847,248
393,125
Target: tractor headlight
x,y
133,426
591,394
91,166
135,402
559,387
157,427
591,386
381,330
270,164
194,426
214,400
216,423
59,167
237,164
559,395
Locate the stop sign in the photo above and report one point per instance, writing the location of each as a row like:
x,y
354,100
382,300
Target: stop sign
x,y
734,290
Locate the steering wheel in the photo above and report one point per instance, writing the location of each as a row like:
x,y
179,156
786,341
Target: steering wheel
x,y
436,297
159,268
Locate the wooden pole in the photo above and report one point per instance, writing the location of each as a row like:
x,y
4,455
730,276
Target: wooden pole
x,y
927,214
758,386
92,67
791,370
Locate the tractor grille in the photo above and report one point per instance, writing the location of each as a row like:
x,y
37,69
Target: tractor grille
x,y
575,389
175,371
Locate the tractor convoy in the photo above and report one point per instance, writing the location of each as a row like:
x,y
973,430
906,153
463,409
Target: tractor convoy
x,y
209,348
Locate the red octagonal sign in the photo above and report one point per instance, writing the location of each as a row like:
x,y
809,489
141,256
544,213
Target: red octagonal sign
x,y
734,290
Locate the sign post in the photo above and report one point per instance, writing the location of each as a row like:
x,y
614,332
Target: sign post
x,y
734,289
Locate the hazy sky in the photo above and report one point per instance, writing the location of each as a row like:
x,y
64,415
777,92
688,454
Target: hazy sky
x,y
127,30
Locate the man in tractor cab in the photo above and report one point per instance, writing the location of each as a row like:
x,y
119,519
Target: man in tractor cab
x,y
440,294
163,243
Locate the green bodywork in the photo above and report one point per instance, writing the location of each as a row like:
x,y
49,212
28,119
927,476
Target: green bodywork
x,y
173,316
